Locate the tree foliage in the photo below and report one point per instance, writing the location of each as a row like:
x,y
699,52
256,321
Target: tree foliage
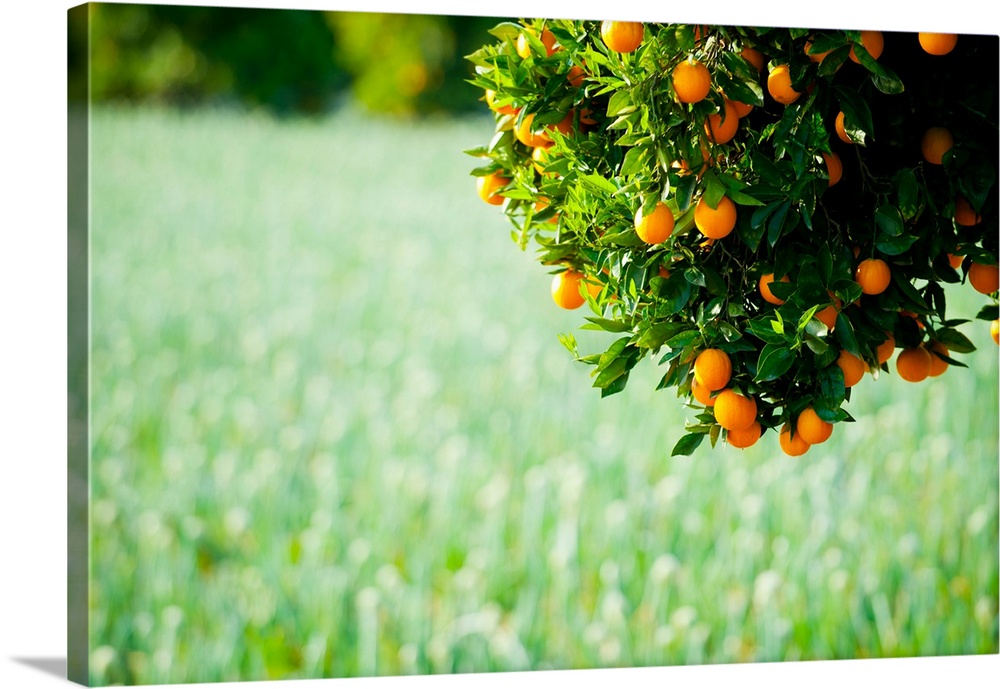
x,y
811,205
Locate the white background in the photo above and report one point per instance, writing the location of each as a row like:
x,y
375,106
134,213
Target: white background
x,y
33,340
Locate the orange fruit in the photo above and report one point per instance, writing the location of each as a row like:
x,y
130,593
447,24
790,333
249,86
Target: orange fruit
x,y
742,109
575,75
955,261
828,316
964,213
854,368
713,369
491,96
489,186
838,125
701,393
937,43
715,223
792,445
873,275
655,227
995,331
733,411
873,42
721,127
834,168
811,428
523,133
764,285
745,438
935,142
754,57
541,204
938,365
984,278
691,81
566,289
563,126
779,85
524,48
913,364
885,350
622,37
540,157
815,57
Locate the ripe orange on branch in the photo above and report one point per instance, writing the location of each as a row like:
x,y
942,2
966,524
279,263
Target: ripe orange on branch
x,y
715,223
938,365
841,130
813,429
913,364
886,349
722,127
745,438
935,142
873,275
656,227
779,85
985,279
691,81
489,186
754,57
764,285
733,411
965,215
547,38
713,369
834,168
792,445
622,37
854,368
937,43
873,42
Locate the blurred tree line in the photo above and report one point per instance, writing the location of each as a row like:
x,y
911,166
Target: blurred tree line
x,y
285,60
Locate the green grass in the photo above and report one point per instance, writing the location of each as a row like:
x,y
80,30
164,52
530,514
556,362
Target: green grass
x,y
334,434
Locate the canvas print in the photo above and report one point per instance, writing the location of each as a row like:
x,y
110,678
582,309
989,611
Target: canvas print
x,y
412,344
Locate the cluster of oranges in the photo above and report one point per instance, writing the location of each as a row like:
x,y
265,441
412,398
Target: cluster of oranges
x,y
670,233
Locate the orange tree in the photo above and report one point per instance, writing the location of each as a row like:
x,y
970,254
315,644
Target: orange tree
x,y
788,200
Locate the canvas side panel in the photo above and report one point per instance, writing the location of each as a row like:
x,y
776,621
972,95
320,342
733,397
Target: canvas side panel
x,y
78,281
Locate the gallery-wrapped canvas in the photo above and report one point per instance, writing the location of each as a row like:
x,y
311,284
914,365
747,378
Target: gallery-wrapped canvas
x,y
354,298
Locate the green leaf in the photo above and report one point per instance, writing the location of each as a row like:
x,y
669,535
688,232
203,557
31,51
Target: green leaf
x,y
597,184
687,444
714,189
894,246
990,312
615,386
844,332
676,292
857,115
636,160
907,193
887,82
620,103
954,340
505,30
607,325
774,362
569,342
889,220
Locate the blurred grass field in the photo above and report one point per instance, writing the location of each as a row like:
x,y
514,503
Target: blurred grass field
x,y
334,434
